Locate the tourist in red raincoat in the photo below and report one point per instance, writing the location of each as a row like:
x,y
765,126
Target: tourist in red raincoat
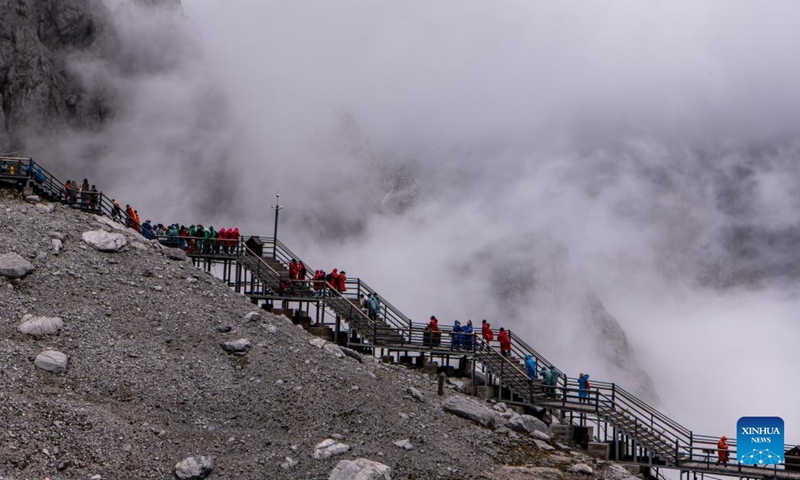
x,y
341,282
293,269
505,342
488,334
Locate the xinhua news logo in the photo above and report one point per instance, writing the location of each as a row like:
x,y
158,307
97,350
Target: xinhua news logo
x,y
759,440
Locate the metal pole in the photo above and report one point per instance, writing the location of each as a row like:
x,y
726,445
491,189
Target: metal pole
x,y
277,207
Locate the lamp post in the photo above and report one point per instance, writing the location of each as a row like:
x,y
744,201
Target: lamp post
x,y
277,208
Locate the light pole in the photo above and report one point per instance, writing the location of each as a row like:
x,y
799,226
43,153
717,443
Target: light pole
x,y
277,208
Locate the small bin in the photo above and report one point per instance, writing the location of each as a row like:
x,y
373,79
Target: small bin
x,y
255,246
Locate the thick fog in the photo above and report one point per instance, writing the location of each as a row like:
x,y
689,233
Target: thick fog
x,y
544,165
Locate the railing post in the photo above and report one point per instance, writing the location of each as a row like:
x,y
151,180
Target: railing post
x,y
614,396
500,380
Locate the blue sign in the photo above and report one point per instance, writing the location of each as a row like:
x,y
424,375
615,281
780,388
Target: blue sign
x,y
759,440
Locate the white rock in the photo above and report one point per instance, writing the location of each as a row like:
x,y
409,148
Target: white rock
x,y
328,448
333,349
289,463
14,266
404,444
52,361
271,329
415,394
194,468
32,199
104,241
580,468
45,208
317,342
542,445
500,407
360,469
40,326
252,316
540,435
56,245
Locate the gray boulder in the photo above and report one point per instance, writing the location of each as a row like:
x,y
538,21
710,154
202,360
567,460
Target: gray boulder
x,y
527,424
416,394
52,361
14,266
360,469
252,316
236,347
57,245
104,241
48,208
194,468
32,199
175,254
470,409
40,326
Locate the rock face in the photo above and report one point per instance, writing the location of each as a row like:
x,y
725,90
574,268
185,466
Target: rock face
x,y
470,409
14,266
40,326
360,469
52,361
104,241
194,468
39,92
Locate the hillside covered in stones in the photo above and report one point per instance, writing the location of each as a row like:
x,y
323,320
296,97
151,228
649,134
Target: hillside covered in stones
x,y
164,363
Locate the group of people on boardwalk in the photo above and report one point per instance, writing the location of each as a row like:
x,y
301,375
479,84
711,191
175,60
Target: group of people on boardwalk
x,y
81,194
464,336
323,282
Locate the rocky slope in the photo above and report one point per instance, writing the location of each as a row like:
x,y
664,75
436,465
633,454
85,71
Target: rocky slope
x,y
148,382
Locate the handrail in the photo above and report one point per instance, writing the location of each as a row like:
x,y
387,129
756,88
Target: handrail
x,y
609,399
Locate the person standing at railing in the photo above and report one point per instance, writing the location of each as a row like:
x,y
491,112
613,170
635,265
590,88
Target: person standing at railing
x,y
116,210
455,343
583,388
67,187
505,342
293,269
468,335
722,450
85,191
341,286
433,333
301,270
488,334
73,193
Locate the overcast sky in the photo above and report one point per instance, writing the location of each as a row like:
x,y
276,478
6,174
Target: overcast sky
x,y
502,160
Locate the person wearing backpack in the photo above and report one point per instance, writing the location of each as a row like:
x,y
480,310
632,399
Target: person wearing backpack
x,y
583,388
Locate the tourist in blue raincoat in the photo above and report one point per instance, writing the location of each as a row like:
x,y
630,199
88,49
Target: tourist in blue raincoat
x,y
456,336
467,337
530,366
583,387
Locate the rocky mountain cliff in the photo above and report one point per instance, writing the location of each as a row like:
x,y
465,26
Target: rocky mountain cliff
x,y
123,363
42,43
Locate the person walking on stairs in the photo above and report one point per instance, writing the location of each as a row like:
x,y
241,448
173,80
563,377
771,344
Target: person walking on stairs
x,y
505,342
530,367
488,334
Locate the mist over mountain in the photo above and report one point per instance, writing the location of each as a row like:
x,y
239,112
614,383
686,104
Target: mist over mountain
x,y
615,183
